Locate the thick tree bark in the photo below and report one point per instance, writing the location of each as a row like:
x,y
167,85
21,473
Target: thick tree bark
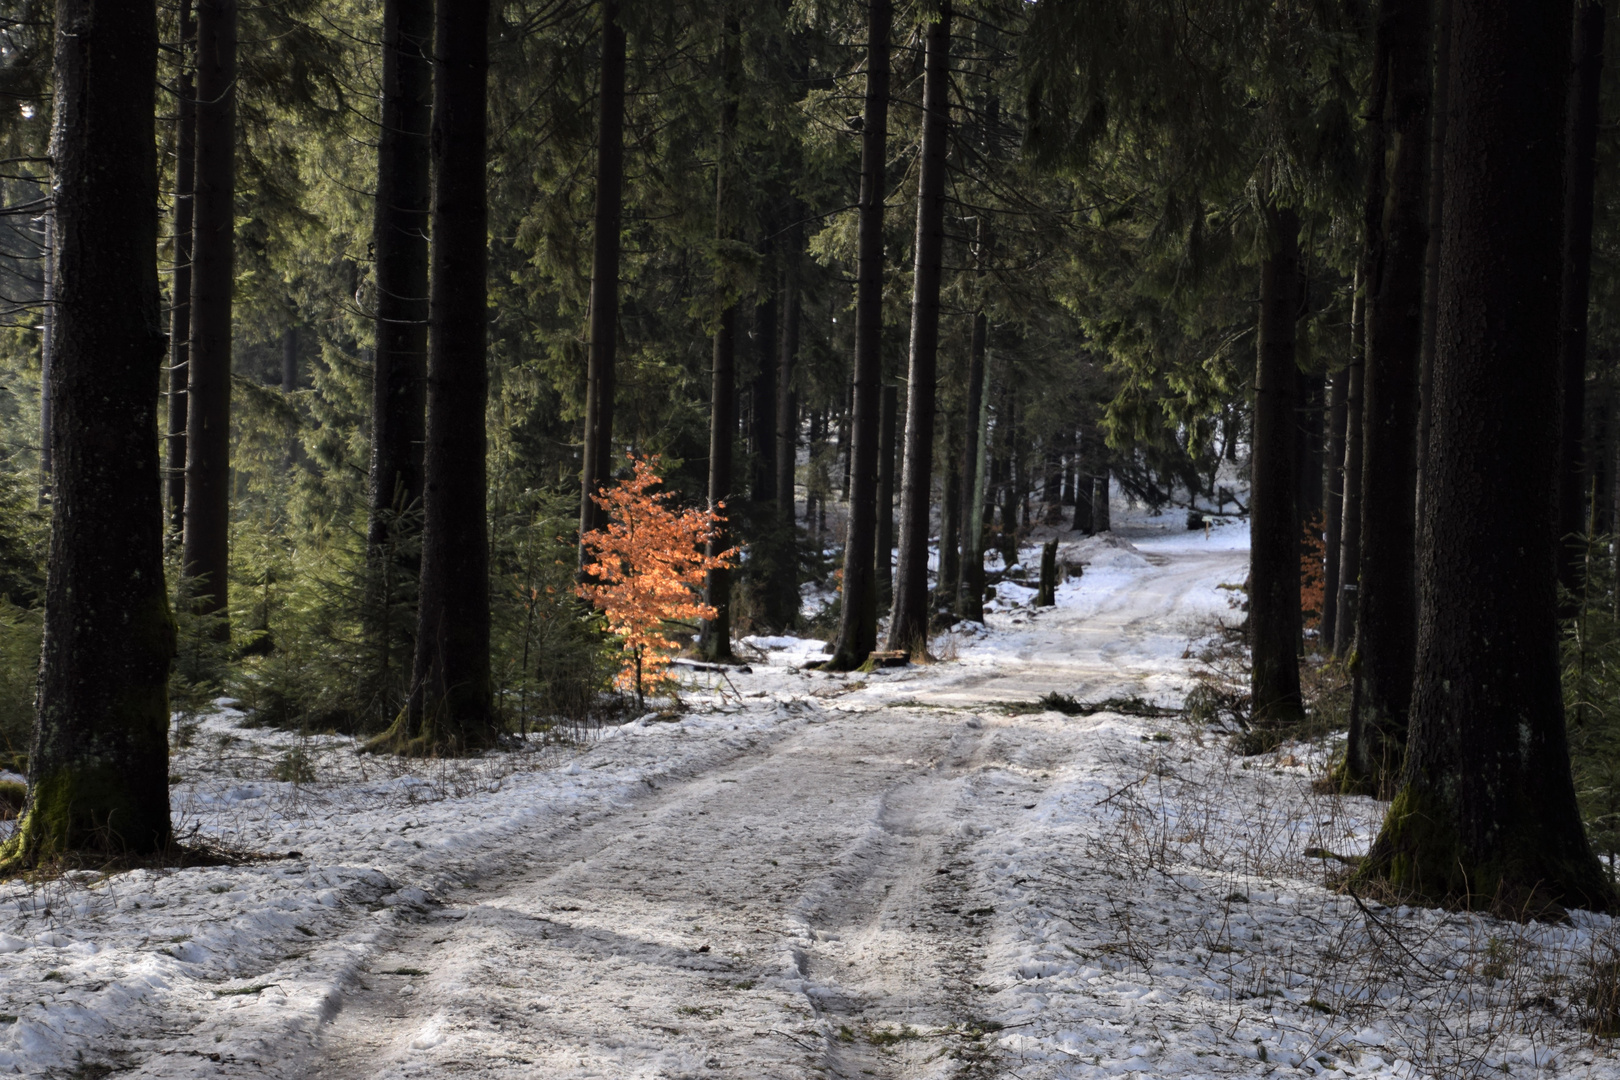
x,y
185,171
1274,545
205,554
1579,175
1439,117
1350,519
98,766
452,705
908,629
1486,813
1386,629
888,429
602,332
400,249
1333,526
970,590
857,625
715,635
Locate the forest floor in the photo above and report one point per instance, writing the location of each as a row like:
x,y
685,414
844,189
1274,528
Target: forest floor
x,y
918,872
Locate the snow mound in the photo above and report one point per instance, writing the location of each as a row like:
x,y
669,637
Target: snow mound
x,y
1106,551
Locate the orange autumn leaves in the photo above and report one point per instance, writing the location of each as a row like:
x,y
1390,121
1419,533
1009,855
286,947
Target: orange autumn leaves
x,y
645,570
1313,573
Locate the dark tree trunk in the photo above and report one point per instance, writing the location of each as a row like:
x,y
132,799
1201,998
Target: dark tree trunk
x,y
908,629
1274,544
762,402
98,767
1486,813
1338,392
1052,487
400,244
1439,117
1102,499
970,592
289,359
598,464
950,517
1372,223
452,704
1386,629
185,171
205,556
1308,448
857,626
1084,519
716,632
787,412
1579,174
399,373
47,349
1010,480
781,591
715,636
888,414
842,455
1350,519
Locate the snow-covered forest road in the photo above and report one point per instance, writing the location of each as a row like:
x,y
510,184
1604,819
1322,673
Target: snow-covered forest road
x,y
801,875
814,905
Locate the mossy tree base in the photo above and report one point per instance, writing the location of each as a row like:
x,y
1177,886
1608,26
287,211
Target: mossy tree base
x,y
1420,857
422,735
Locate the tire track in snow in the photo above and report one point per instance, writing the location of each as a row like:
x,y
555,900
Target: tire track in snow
x,y
783,915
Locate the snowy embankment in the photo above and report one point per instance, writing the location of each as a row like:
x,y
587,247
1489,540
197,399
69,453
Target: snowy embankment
x,y
910,873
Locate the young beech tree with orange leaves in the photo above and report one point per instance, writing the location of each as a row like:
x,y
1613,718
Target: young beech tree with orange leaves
x,y
646,569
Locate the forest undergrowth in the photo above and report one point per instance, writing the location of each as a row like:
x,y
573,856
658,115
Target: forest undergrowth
x,y
1341,971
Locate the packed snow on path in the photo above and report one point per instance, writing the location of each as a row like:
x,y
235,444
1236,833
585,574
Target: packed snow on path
x,y
912,873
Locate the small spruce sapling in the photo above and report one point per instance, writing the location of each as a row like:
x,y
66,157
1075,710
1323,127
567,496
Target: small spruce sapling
x,y
644,570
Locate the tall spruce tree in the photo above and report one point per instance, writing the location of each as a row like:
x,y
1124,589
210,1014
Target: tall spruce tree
x,y
1580,173
1274,615
715,636
205,558
399,374
98,766
1350,517
185,168
1486,813
1333,523
602,332
908,627
857,628
1386,627
451,706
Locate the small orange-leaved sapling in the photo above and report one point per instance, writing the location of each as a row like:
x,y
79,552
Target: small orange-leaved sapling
x,y
645,570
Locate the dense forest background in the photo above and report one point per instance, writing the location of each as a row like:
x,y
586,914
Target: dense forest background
x,y
1128,194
